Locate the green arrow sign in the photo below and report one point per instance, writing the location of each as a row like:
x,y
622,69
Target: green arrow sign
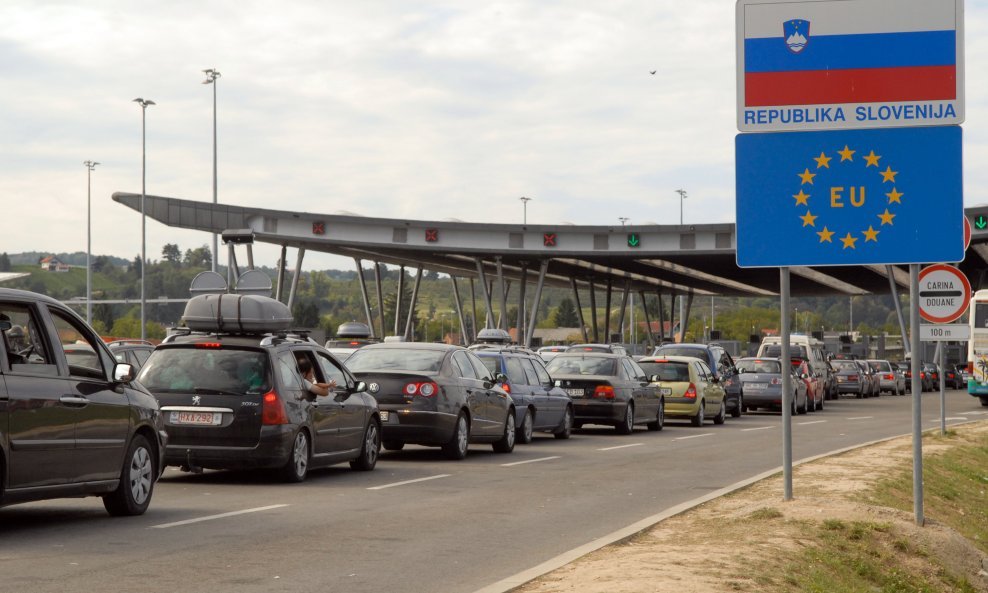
x,y
981,222
634,240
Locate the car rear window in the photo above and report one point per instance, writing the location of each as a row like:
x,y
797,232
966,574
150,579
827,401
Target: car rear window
x,y
682,351
396,359
667,371
844,365
582,365
759,366
225,370
775,351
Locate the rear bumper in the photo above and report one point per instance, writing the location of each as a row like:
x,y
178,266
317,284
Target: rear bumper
x,y
272,450
417,426
605,412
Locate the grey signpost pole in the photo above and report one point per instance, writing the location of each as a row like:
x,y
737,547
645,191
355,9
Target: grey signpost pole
x,y
943,395
915,363
787,390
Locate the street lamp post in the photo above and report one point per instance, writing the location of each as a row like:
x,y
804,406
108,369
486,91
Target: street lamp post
x,y
525,202
90,165
682,196
623,219
144,109
211,75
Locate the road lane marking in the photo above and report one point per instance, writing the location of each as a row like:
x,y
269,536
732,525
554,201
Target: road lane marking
x,y
621,447
529,461
949,418
220,516
756,428
436,477
812,422
693,436
861,418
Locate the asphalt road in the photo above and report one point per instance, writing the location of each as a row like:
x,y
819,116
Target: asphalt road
x,y
419,523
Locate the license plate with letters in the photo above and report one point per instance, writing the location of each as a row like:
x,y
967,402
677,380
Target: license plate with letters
x,y
197,418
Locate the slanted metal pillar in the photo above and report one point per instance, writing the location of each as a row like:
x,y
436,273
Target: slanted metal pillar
x,y
536,302
473,312
898,310
250,257
401,290
411,307
521,333
295,278
624,306
232,273
487,293
281,271
464,338
607,312
380,297
685,317
579,308
648,320
662,319
503,319
593,311
363,293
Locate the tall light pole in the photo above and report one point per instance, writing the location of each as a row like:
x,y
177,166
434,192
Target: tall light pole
x,y
144,110
623,219
525,202
90,165
682,196
211,75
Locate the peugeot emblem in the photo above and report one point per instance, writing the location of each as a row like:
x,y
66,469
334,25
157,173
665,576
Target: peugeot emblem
x,y
196,400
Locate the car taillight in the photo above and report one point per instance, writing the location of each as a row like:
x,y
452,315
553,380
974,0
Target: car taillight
x,y
506,386
423,388
690,392
776,381
889,377
273,409
211,345
604,392
852,377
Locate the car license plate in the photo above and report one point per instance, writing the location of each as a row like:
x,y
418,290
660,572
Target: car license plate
x,y
575,392
665,391
756,386
384,415
197,418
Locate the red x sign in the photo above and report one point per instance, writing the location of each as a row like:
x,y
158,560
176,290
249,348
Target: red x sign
x,y
549,239
319,228
431,235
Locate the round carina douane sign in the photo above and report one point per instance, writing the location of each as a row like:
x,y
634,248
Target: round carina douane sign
x,y
944,293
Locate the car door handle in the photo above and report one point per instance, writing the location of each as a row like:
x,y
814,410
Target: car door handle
x,y
73,400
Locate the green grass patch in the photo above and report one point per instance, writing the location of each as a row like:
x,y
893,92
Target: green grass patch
x,y
765,514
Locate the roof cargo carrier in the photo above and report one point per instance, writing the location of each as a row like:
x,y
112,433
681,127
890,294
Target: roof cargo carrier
x,y
236,313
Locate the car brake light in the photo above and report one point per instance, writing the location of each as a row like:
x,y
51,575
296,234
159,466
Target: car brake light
x,y
209,345
423,388
776,381
506,386
889,377
852,377
604,392
690,392
273,409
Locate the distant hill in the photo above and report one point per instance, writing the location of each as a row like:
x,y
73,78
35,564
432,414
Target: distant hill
x,y
73,259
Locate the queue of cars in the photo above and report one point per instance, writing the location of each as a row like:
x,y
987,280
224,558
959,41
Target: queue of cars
x,y
235,388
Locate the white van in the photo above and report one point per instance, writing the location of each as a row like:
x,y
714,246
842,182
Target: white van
x,y
805,347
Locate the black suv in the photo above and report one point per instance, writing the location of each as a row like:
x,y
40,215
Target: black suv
x,y
239,399
719,361
72,420
539,404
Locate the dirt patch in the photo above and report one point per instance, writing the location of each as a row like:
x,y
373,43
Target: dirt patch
x,y
712,548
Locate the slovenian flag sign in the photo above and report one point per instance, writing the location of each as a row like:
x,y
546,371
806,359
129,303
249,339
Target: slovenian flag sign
x,y
864,51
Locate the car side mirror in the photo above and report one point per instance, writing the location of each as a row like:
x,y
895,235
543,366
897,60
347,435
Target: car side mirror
x,y
557,383
500,378
5,325
804,376
123,372
715,379
654,378
360,387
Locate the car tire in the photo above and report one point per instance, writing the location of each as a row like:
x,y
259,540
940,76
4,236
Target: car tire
x,y
859,395
565,429
524,435
628,425
698,418
984,401
297,467
371,449
133,493
506,444
721,413
660,418
736,412
458,444
393,445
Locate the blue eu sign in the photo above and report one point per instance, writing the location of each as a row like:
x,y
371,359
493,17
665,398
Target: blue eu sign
x,y
850,197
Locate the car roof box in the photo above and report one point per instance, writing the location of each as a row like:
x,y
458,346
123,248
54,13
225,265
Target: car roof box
x,y
236,313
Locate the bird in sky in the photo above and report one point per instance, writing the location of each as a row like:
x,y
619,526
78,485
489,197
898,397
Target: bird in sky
x,y
652,72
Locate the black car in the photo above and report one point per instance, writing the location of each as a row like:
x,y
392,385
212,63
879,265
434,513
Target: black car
x,y
435,395
539,404
608,389
72,420
237,398
719,361
133,352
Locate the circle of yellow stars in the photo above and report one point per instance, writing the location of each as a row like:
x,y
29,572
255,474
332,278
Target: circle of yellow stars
x,y
850,239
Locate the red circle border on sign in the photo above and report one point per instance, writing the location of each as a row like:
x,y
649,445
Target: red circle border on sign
x,y
967,292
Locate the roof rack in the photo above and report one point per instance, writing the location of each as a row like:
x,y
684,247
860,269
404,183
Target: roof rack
x,y
123,341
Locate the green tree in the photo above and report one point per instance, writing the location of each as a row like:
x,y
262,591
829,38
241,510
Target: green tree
x,y
200,257
4,262
566,314
171,253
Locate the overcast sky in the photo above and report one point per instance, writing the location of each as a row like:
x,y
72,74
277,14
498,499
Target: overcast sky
x,y
405,108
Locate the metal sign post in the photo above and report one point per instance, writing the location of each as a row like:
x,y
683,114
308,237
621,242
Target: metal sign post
x,y
917,389
787,390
